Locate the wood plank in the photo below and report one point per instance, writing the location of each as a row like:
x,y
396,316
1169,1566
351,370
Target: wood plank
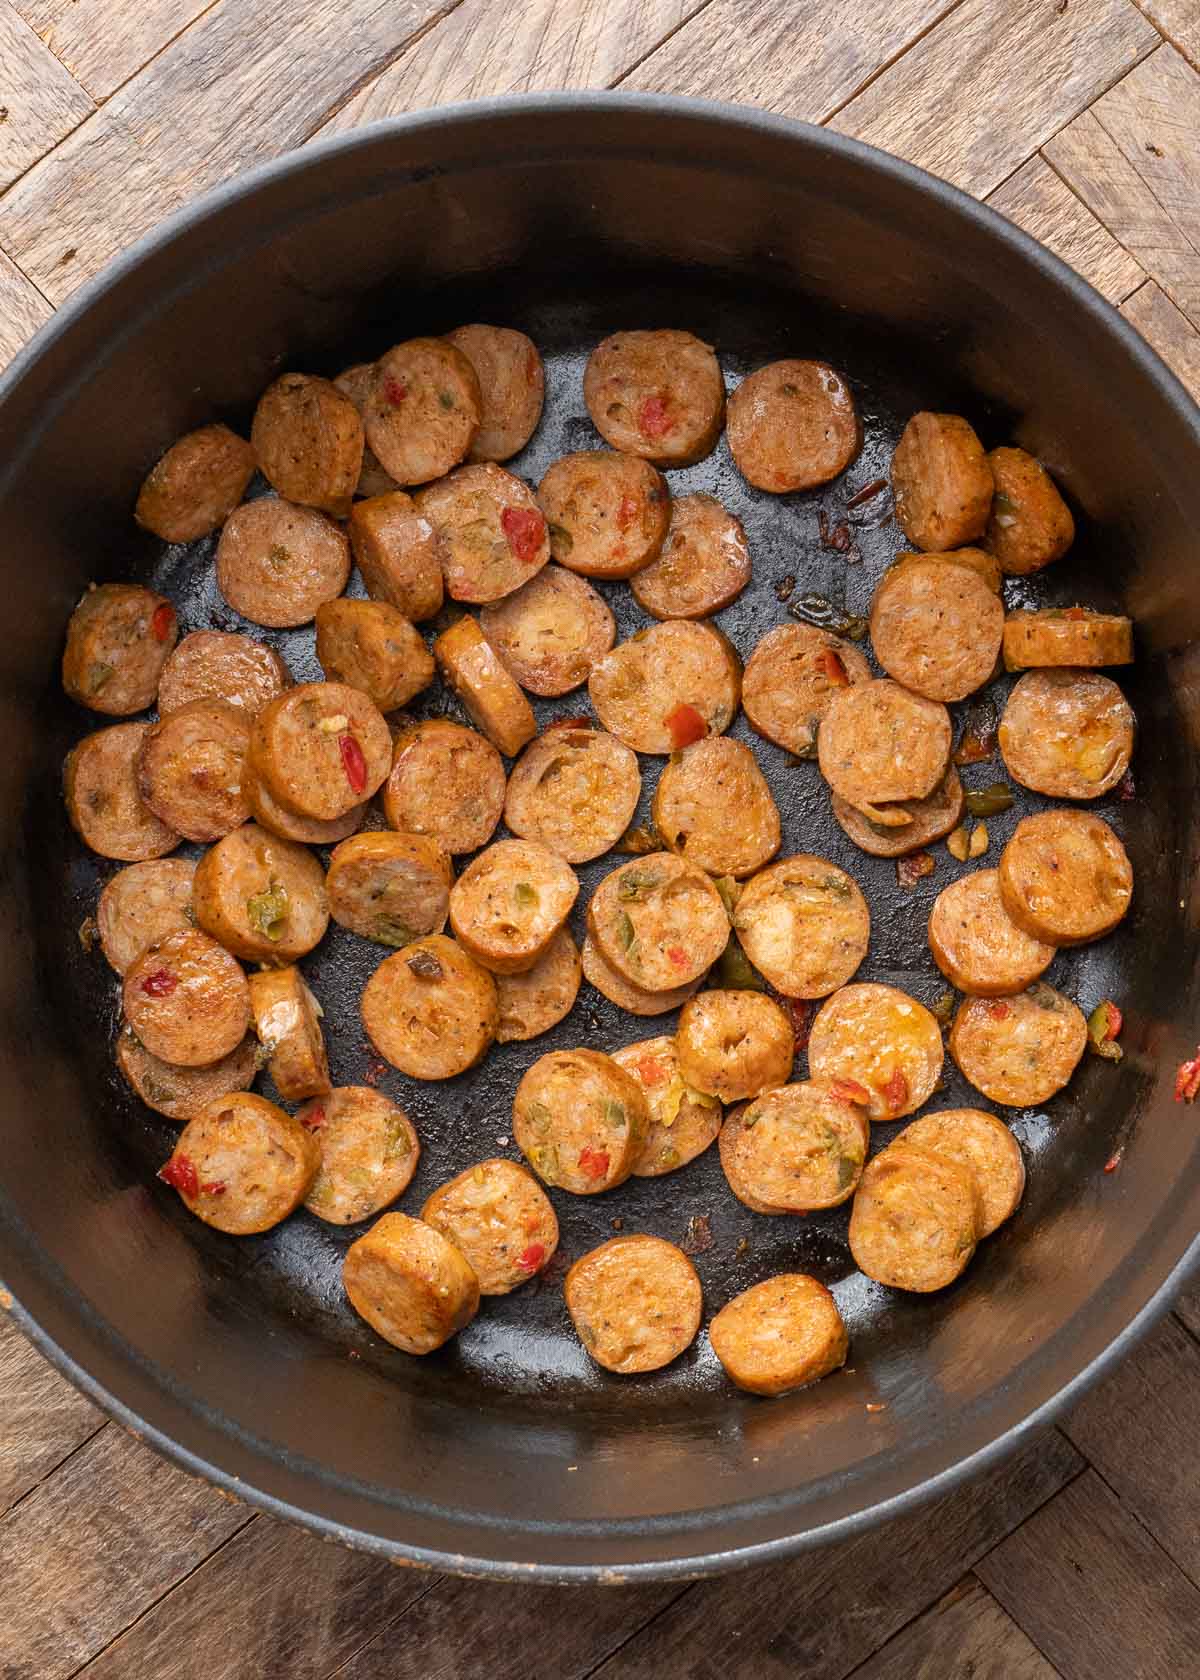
x,y
827,1611
22,311
39,100
1094,1592
45,1419
1039,201
1167,331
966,1636
103,42
95,1544
983,89
1179,21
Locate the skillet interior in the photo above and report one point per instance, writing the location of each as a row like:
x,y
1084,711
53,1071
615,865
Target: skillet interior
x,y
569,220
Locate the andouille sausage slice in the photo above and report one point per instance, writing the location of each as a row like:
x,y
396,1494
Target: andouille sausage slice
x,y
396,553
219,665
1030,524
446,782
189,769
533,1002
491,535
804,924
321,749
501,1218
266,810
704,564
976,943
493,701
658,921
916,1219
512,386
1065,877
277,562
780,1334
550,632
795,1149
790,679
100,787
509,902
656,394
580,1120
942,482
393,888
667,686
261,897
422,410
182,1092
976,560
1067,733
308,441
143,903
369,1153
430,1009
936,628
985,1147
575,791
607,513
714,808
881,1040
684,1121
187,999
118,640
287,1019
635,1303
1066,636
734,1045
411,1284
196,485
793,425
242,1164
372,646
878,743
635,1000
928,819
1019,1050
356,383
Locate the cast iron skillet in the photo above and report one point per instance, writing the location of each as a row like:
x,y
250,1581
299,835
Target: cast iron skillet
x,y
507,1454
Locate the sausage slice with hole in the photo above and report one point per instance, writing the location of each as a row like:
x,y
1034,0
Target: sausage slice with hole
x,y
714,808
190,766
734,1045
356,383
431,1010
372,646
533,1002
1065,877
916,1219
1067,733
1019,1050
501,1218
492,699
985,1147
1030,524
926,820
796,1149
936,628
684,1121
141,904
308,441
550,632
187,999
942,482
446,782
393,888
369,1153
656,394
1066,636
413,1286
118,640
607,513
321,749
277,562
667,686
219,665
793,425
182,1092
509,902
580,1120
976,943
287,1019
658,921
635,1303
790,679
635,1000
196,485
396,553
266,810
881,1040
100,787
879,743
491,535
512,386
422,409
704,564
261,897
804,925
242,1165
780,1334
575,791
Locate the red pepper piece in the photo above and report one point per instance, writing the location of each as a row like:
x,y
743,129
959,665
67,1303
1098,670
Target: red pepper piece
x,y
685,725
832,666
850,1091
801,1012
895,1092
161,621
1187,1080
524,529
867,493
653,421
179,1171
353,763
1114,1161
594,1163
214,1187
627,512
914,868
651,1072
531,1258
999,1011
313,1118
677,956
1075,613
974,749
160,984
1125,789
394,392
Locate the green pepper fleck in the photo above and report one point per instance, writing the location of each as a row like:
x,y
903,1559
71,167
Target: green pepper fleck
x,y
847,1171
734,971
837,885
98,675
990,801
538,1115
390,931
398,1143
279,557
561,538
446,400
267,911
626,934
636,884
614,1112
525,895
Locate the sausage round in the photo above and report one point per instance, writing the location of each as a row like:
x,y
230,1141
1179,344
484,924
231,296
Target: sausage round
x,y
307,438
396,553
369,1153
636,1000
509,902
916,1219
491,535
356,383
141,904
1066,636
187,999
580,1121
714,808
372,646
796,1149
196,485
242,1164
118,639
656,394
575,791
976,943
266,810
704,564
804,925
779,1334
261,897
607,513
658,921
533,1002
100,787
879,743
287,1019
501,1218
550,632
790,679
667,686
512,385
1067,733
178,1092
942,482
430,1010
189,769
492,699
321,749
422,409
1019,1050
413,1286
683,1121
446,782
1065,877
392,888
1030,525
635,1303
985,1147
734,1045
277,562
219,665
882,1041
936,628
929,819
975,560
793,425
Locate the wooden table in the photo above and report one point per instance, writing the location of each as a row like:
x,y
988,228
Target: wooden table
x,y
1079,119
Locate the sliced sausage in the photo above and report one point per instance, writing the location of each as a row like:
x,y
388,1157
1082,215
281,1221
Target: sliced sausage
x,y
734,1045
1065,877
219,665
491,535
1066,636
533,1002
100,787
1030,524
180,1092
936,628
1019,1050
658,921
393,888
509,902
704,564
276,562
942,482
512,386
636,1000
780,1334
657,394
804,925
356,383
321,749
187,999
422,409
189,769
976,560
118,639
879,743
308,441
928,819
141,904
916,1219
446,782
635,1303
882,1041
413,1286
795,1149
790,679
266,810
580,1120
196,485
493,701
715,809
1067,733
607,513
550,632
976,943
684,1121
369,1153
287,1019
793,425
372,646
396,553
667,686
242,1164
985,1147
261,897
430,1010
501,1218
575,791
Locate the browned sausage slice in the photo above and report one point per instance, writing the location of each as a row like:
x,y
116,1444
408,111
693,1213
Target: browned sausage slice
x,y
321,749
356,383
422,409
261,897
658,921
242,1164
580,1120
187,1000
879,743
1066,636
882,1041
142,904
793,425
308,440
1067,733
734,1045
396,553
550,632
372,646
976,560
189,769
635,1302
196,485
430,1009
704,564
266,810
390,887
491,535
985,1147
180,1092
118,639
1065,877
928,819
276,562
683,1121
916,1219
1019,1050
976,943
795,1149
790,679
574,790
369,1153
636,1000
804,925
715,809
501,1218
287,1019
942,482
493,701
780,1334
509,902
936,628
656,394
411,1284
446,782
512,385
100,787
533,1002
1030,524
607,513
218,665
667,686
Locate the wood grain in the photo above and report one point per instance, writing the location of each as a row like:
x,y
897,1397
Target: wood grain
x,y
45,1419
966,1636
1179,21
40,101
1187,1309
1041,203
103,42
22,311
1167,331
983,89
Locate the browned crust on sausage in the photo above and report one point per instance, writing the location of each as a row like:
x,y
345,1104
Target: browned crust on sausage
x,y
189,769
369,1153
297,754
1030,525
883,1040
502,1220
976,943
936,628
509,902
372,646
734,1045
492,699
219,665
607,513
1065,877
793,425
142,903
942,482
637,686
580,1120
1019,1050
447,782
412,1285
390,887
266,810
396,553
196,485
704,564
261,897
277,561
490,532
987,1149
780,1334
356,383
804,924
658,921
430,1009
1074,636
931,818
635,1302
879,743
308,440
101,793
512,385
253,1162
575,790
287,1019
199,1018
114,656
533,1002
791,678
549,633
180,1092
714,808
635,1000
1067,733
684,1122
916,1219
796,1149
422,410
657,394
